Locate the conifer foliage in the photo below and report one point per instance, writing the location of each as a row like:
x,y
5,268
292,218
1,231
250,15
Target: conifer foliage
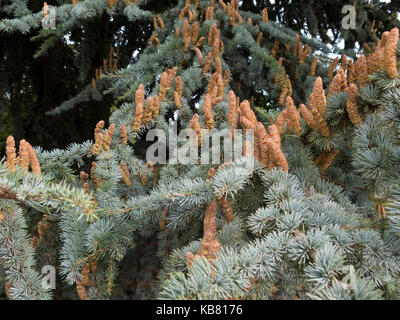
x,y
316,217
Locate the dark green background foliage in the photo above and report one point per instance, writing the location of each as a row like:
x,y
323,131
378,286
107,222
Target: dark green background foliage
x,y
29,87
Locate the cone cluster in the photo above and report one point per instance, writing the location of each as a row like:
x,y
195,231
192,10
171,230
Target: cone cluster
x,y
26,158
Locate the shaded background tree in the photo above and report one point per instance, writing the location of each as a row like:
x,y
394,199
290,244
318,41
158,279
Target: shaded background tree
x,y
30,86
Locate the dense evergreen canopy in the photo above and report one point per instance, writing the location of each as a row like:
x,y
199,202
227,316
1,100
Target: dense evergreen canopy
x,y
308,210
32,84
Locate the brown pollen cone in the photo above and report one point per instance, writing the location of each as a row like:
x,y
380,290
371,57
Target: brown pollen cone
x,y
308,117
179,86
199,42
332,67
207,65
274,49
261,150
156,107
98,142
98,138
317,98
226,208
108,136
185,29
24,155
212,34
338,83
343,62
232,111
171,76
84,177
10,153
207,112
283,95
361,70
293,117
270,146
7,286
161,22
34,161
313,66
199,55
210,246
163,86
126,176
351,106
327,160
148,111
280,120
264,14
259,38
187,44
139,102
124,135
220,86
194,32
96,181
390,53
321,123
376,60
246,123
274,134
139,96
216,48
177,100
195,125
218,66
320,157
247,112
